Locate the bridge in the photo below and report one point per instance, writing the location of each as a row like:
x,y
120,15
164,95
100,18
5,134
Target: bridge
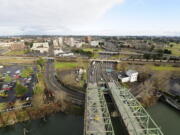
x,y
97,120
133,114
104,60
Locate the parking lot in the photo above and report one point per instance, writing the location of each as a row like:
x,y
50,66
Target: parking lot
x,y
12,74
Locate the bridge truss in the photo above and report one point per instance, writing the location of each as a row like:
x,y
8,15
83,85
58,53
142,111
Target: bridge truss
x,y
97,118
135,117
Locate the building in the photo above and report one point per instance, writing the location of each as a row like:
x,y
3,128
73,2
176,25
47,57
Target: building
x,y
128,76
60,39
5,44
87,39
41,47
17,46
69,41
58,51
94,43
67,54
133,75
55,43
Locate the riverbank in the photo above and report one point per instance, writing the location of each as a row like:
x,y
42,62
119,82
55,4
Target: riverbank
x,y
56,124
32,113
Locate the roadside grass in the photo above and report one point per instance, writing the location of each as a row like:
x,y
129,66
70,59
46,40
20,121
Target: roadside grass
x,y
15,60
175,49
118,56
164,68
22,52
96,55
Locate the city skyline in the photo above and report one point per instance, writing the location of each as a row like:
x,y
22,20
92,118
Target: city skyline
x,y
90,17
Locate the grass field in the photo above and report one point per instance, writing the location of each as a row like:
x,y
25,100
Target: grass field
x,y
175,49
65,65
92,49
70,65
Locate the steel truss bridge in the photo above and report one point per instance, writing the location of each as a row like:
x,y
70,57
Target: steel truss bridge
x,y
97,117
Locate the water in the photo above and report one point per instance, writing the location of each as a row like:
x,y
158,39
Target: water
x,y
167,118
61,124
58,124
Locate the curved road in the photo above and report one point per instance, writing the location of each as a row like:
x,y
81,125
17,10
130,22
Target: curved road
x,y
53,84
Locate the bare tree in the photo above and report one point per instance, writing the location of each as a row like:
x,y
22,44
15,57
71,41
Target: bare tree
x,y
147,93
161,80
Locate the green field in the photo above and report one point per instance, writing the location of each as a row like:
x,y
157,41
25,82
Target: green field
x,y
70,65
65,65
175,49
92,49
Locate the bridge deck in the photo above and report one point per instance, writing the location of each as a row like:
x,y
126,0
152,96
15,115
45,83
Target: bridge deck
x,y
135,117
97,118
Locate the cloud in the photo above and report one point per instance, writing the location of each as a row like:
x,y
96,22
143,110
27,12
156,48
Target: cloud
x,y
50,16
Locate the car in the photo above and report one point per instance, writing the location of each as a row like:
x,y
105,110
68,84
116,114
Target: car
x,y
29,79
6,87
18,72
8,72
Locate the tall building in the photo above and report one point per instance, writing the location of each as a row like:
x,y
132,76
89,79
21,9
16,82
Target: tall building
x,y
55,43
71,41
60,39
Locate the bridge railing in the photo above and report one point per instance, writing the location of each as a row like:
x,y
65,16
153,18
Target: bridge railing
x,y
135,117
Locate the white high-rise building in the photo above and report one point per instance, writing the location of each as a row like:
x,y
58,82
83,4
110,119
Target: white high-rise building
x,y
55,43
71,41
60,39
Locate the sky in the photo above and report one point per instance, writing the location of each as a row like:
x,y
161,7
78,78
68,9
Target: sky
x,y
90,17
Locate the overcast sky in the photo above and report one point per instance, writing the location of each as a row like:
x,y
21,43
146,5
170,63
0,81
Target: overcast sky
x,y
85,17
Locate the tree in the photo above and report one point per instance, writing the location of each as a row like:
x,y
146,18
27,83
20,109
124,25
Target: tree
x,y
161,80
7,78
26,72
40,62
147,89
20,90
147,56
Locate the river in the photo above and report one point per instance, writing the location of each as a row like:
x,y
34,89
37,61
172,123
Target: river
x,y
58,124
166,117
62,124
